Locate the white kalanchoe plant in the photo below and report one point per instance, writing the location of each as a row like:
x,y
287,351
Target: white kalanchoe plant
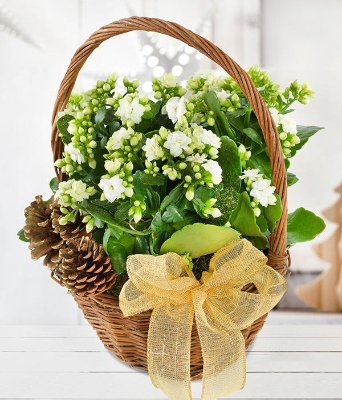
x,y
138,169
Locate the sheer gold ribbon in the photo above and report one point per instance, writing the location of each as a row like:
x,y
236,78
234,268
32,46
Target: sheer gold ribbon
x,y
221,309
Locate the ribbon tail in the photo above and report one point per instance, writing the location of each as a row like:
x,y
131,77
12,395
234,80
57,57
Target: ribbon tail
x,y
224,356
168,349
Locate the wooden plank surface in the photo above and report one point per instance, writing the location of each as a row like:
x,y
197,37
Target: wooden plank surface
x,y
69,362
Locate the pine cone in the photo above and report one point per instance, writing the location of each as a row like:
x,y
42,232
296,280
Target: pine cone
x,y
71,230
86,269
38,228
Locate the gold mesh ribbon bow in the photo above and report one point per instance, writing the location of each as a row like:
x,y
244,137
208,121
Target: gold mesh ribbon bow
x,y
221,309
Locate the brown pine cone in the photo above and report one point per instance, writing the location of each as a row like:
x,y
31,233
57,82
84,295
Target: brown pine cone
x,y
44,241
86,269
71,229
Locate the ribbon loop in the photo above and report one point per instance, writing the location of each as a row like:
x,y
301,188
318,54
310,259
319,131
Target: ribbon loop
x,y
219,305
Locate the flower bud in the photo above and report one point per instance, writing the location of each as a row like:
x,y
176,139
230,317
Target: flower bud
x,y
190,194
216,213
69,168
211,121
282,135
129,192
106,87
92,164
257,211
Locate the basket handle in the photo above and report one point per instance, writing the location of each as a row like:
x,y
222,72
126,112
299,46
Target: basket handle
x,y
278,239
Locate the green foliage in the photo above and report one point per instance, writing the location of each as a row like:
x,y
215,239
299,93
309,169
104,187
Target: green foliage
x,y
62,126
199,239
22,237
244,220
171,171
54,184
222,124
302,226
229,160
304,133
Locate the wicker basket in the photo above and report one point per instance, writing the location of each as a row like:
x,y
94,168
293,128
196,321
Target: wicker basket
x,y
127,337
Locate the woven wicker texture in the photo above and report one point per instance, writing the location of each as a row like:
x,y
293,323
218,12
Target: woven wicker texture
x,y
127,337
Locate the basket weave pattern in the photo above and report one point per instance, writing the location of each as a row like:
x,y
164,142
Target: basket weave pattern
x,y
127,337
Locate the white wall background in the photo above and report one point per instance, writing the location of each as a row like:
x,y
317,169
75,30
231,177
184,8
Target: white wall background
x,y
300,39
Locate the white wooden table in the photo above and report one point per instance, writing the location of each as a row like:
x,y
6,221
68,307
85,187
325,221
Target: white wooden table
x,y
69,362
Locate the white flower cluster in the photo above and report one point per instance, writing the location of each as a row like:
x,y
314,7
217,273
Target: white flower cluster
x,y
259,188
71,192
204,81
175,108
188,155
287,129
130,110
122,147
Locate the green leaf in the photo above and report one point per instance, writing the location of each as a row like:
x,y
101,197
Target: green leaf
x,y
105,216
150,134
202,194
106,236
199,239
304,133
273,213
139,186
128,242
145,191
141,245
262,162
152,200
173,214
291,179
54,183
211,100
234,118
122,211
62,126
100,115
174,196
150,180
255,136
161,231
98,211
104,204
97,235
229,160
104,115
118,255
114,126
303,225
91,176
244,221
262,223
22,236
154,110
228,194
